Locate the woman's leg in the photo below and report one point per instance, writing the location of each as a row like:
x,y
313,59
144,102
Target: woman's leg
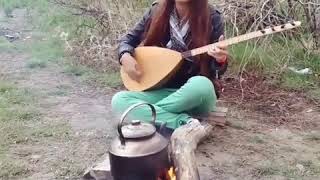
x,y
123,100
196,97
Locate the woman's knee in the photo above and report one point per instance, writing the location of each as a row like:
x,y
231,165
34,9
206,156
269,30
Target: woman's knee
x,y
202,85
119,100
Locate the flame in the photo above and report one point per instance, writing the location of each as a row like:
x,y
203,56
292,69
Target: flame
x,y
168,174
172,174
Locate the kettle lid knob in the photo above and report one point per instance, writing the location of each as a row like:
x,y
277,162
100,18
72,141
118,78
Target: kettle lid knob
x,y
135,122
137,129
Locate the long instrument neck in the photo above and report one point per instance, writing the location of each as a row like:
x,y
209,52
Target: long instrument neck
x,y
242,38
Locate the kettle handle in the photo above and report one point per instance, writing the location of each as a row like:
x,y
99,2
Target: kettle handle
x,y
125,114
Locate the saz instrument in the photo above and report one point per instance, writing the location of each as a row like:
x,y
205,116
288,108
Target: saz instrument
x,y
159,64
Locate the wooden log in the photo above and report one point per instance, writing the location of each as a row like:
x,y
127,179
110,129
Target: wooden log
x,y
184,142
219,117
216,118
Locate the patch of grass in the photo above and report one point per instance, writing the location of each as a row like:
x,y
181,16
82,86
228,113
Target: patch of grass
x,y
266,170
51,49
21,124
36,63
314,94
61,90
304,59
13,112
5,87
10,96
288,149
16,112
248,56
291,173
46,16
20,135
10,5
16,106
5,45
313,137
238,125
55,131
53,21
109,79
272,56
10,168
270,170
60,25
67,167
292,81
311,167
76,70
44,51
257,139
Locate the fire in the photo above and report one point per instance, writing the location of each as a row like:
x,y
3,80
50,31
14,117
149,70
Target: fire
x,y
171,173
168,175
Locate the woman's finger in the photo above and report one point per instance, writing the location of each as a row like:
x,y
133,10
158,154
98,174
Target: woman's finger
x,y
217,52
211,53
221,38
224,47
223,52
221,46
212,49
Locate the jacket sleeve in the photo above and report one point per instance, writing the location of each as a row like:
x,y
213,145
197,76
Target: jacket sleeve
x,y
217,30
134,37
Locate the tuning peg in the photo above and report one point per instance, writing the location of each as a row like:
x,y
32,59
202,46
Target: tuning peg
x,y
283,26
292,23
273,29
263,31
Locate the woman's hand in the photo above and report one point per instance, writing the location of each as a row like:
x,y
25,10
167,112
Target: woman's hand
x,y
220,53
131,67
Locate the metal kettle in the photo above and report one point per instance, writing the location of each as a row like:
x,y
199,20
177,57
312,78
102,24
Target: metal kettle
x,y
139,151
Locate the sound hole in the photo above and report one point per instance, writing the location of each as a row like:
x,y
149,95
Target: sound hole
x,y
283,26
263,31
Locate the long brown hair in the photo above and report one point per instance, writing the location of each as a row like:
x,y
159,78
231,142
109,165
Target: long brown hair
x,y
200,26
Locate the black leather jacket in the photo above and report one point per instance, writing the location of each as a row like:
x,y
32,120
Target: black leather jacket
x,y
134,37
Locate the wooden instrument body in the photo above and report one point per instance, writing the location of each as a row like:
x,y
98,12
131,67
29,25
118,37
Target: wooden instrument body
x,y
157,64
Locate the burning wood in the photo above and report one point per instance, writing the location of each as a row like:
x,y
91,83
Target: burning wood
x,y
168,175
172,174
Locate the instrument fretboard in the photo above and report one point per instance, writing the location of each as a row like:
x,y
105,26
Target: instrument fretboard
x,y
242,38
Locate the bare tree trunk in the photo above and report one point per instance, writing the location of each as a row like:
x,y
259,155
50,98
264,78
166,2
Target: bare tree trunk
x,y
316,23
291,10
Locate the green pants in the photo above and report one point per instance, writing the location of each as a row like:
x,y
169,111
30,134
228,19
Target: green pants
x,y
173,106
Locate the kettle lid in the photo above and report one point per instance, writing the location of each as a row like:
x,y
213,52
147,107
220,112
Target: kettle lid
x,y
138,139
138,129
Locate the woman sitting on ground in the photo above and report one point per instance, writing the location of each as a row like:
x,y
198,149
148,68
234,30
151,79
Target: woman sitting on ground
x,y
179,25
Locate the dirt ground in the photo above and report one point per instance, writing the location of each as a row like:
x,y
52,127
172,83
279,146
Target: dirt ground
x,y
252,147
